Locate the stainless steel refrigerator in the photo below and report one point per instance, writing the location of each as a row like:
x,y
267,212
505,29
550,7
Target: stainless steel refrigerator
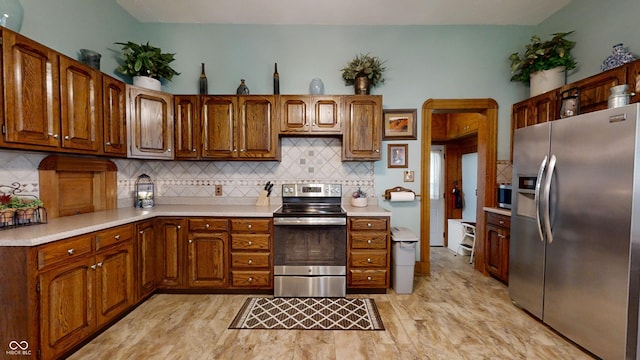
x,y
575,231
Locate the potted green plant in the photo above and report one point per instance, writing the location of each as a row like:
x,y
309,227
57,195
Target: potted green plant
x,y
539,58
363,71
144,60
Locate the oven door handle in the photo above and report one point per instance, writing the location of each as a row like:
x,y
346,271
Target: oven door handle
x,y
309,221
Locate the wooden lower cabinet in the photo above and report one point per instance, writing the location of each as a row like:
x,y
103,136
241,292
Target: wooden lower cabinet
x,y
78,297
208,266
497,245
171,263
251,253
369,253
146,249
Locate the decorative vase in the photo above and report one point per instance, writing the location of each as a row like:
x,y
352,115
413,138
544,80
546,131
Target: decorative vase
x,y
619,57
362,85
147,83
316,87
91,58
11,14
203,86
546,80
242,88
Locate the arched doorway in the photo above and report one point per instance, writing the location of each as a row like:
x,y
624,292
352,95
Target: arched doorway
x,y
487,109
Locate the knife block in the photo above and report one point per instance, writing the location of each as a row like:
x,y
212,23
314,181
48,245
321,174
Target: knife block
x,y
263,198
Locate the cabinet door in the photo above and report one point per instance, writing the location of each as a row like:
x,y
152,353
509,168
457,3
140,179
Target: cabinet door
x,y
494,250
218,115
256,135
208,265
363,132
66,306
151,124
171,253
114,99
80,105
146,259
187,127
633,79
594,90
544,108
294,114
114,282
32,92
326,114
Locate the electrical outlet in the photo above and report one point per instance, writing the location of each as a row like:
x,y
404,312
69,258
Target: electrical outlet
x,y
218,190
408,176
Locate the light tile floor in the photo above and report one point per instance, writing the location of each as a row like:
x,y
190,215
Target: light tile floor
x,y
455,313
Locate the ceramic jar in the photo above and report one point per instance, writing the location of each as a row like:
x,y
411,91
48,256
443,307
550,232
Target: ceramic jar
x,y
619,57
316,87
11,13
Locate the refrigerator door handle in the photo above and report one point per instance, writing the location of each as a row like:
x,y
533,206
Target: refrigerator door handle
x,y
547,198
543,166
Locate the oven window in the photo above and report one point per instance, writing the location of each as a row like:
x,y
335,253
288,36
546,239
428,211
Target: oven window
x,y
310,245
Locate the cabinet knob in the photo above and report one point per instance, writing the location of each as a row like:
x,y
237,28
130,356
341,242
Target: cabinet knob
x,y
249,226
369,278
377,150
108,143
250,262
369,225
99,264
141,232
501,222
71,251
55,136
93,267
242,150
190,241
250,279
249,243
117,237
369,260
168,150
194,150
369,241
67,137
206,225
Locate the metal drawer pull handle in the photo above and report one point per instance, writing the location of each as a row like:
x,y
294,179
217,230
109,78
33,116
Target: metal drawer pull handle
x,y
71,251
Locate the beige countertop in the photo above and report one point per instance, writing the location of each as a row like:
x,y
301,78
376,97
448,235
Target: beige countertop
x,y
500,211
64,227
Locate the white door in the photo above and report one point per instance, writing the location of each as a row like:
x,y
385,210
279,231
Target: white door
x,y
436,221
469,186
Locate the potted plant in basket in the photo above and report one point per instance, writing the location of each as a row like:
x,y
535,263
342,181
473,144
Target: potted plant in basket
x,y
539,58
363,71
144,61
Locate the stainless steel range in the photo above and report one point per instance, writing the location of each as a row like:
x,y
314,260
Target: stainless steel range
x,y
310,242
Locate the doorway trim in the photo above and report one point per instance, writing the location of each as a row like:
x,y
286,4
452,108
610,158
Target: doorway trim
x,y
487,167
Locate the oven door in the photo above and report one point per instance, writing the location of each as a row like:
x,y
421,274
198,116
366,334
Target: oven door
x,y
310,256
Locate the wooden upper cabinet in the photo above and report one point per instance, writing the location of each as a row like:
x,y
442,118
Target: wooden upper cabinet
x,y
594,90
217,115
363,128
114,100
187,127
307,114
633,79
257,135
239,127
150,124
31,93
81,105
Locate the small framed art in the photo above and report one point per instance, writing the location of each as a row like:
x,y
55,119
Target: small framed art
x,y
397,156
399,124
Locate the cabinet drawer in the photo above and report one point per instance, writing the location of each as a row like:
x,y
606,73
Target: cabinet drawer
x,y
113,236
368,278
63,250
250,241
250,260
499,220
208,224
369,240
251,225
368,224
368,259
251,278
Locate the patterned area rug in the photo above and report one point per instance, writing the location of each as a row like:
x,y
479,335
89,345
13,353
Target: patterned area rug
x,y
308,314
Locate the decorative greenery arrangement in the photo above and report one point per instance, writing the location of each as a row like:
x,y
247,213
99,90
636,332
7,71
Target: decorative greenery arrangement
x,y
359,194
146,60
541,55
364,65
14,202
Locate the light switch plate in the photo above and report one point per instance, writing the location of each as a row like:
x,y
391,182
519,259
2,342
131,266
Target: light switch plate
x,y
408,176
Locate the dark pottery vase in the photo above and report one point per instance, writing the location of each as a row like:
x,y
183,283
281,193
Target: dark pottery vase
x,y
362,85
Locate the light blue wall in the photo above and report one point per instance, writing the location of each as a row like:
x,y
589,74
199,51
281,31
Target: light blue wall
x,y
422,61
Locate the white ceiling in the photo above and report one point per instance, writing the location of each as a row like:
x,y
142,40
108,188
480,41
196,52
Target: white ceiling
x,y
345,12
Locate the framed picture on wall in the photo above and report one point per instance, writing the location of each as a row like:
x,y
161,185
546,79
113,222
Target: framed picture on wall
x,y
397,156
399,124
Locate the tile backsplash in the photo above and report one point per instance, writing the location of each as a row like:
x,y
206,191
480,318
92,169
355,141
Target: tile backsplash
x,y
304,160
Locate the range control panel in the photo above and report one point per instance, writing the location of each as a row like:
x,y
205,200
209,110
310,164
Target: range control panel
x,y
311,190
